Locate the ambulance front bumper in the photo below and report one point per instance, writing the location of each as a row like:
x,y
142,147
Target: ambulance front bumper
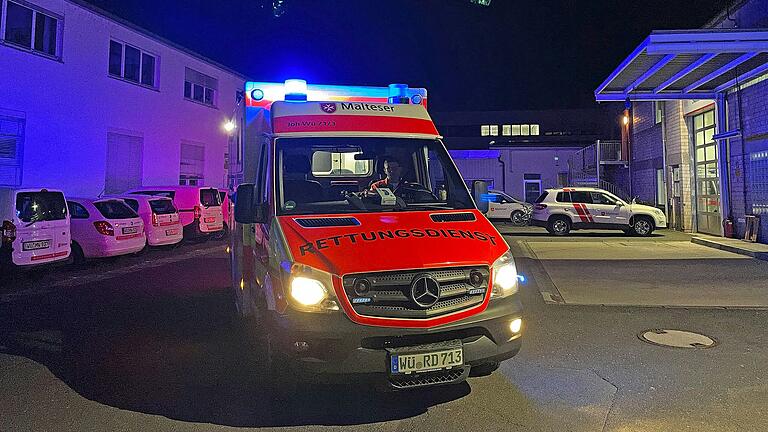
x,y
330,347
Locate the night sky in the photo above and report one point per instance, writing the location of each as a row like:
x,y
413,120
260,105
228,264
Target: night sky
x,y
514,54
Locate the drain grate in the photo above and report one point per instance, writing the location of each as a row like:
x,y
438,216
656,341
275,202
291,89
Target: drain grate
x,y
677,339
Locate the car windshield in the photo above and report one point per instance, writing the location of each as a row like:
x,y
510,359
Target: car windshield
x,y
343,175
34,207
114,209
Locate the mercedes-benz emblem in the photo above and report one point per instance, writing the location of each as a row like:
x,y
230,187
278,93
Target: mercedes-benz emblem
x,y
425,291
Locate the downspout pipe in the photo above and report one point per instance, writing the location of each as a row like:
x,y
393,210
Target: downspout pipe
x,y
723,158
503,173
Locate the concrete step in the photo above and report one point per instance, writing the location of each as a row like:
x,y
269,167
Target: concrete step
x,y
741,247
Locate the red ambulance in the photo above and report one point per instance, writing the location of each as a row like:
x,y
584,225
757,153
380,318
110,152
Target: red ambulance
x,y
358,252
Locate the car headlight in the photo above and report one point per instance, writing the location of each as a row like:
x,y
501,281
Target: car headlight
x,y
505,276
311,290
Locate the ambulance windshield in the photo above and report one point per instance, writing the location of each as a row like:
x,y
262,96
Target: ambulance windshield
x,y
347,175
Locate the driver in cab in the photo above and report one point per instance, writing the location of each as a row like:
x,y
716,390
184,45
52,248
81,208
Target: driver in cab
x,y
394,176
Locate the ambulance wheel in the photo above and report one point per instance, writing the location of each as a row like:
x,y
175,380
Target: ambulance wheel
x,y
559,226
642,226
517,218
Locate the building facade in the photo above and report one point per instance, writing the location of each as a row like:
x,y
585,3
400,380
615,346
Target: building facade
x,y
94,105
523,152
699,127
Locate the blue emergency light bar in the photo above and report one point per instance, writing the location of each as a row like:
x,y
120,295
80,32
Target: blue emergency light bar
x,y
263,93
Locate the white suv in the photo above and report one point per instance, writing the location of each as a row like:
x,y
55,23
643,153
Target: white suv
x,y
561,210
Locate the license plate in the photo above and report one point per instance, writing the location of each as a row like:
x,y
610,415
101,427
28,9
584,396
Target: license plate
x,y
171,232
130,230
35,245
210,220
424,362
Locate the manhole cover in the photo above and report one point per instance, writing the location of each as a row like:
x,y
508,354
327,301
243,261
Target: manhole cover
x,y
677,338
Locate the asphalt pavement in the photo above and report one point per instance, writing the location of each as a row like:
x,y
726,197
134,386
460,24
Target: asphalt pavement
x,y
154,348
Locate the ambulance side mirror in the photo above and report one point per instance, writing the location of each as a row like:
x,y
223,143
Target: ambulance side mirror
x,y
247,210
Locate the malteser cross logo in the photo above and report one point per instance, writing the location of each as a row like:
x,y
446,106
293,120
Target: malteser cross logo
x,y
330,108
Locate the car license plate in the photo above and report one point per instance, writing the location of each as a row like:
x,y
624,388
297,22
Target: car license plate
x,y
35,245
130,230
209,220
428,361
171,232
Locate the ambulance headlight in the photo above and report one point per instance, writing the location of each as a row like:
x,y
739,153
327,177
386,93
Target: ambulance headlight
x,y
311,290
307,292
505,276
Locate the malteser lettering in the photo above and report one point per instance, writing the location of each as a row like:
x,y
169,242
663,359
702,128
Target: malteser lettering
x,y
354,106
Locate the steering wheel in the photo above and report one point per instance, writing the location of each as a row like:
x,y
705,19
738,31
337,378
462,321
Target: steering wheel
x,y
415,192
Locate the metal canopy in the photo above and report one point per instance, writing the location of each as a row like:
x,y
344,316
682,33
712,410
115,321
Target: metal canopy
x,y
687,64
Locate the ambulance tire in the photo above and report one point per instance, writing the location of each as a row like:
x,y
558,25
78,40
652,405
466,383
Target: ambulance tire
x,y
559,225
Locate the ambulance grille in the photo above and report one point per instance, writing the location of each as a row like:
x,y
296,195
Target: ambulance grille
x,y
452,217
388,294
327,222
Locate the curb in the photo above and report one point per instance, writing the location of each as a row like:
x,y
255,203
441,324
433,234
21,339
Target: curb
x,y
728,248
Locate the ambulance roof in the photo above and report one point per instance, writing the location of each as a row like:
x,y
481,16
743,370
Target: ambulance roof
x,y
312,119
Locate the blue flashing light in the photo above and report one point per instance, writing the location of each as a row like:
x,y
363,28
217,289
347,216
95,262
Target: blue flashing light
x,y
521,278
257,94
398,94
416,99
296,90
488,197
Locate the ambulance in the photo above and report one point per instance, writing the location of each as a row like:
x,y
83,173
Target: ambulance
x,y
358,252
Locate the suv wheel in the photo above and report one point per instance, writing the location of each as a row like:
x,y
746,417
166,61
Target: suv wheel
x,y
642,226
559,226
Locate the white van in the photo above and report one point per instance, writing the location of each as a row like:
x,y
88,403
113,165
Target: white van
x,y
35,227
199,207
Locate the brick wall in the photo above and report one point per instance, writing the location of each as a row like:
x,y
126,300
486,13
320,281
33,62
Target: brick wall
x,y
646,153
747,166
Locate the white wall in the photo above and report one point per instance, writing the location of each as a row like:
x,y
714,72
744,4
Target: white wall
x,y
69,106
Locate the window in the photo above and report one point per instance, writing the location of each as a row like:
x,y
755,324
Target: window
x,y
564,197
11,139
78,211
115,209
485,130
31,29
334,164
603,199
515,130
534,129
132,64
506,130
525,130
124,162
40,206
192,164
199,87
162,206
581,197
494,130
210,197
133,204
658,109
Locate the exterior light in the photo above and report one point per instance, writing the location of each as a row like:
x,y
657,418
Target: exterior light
x,y
229,126
625,120
516,325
